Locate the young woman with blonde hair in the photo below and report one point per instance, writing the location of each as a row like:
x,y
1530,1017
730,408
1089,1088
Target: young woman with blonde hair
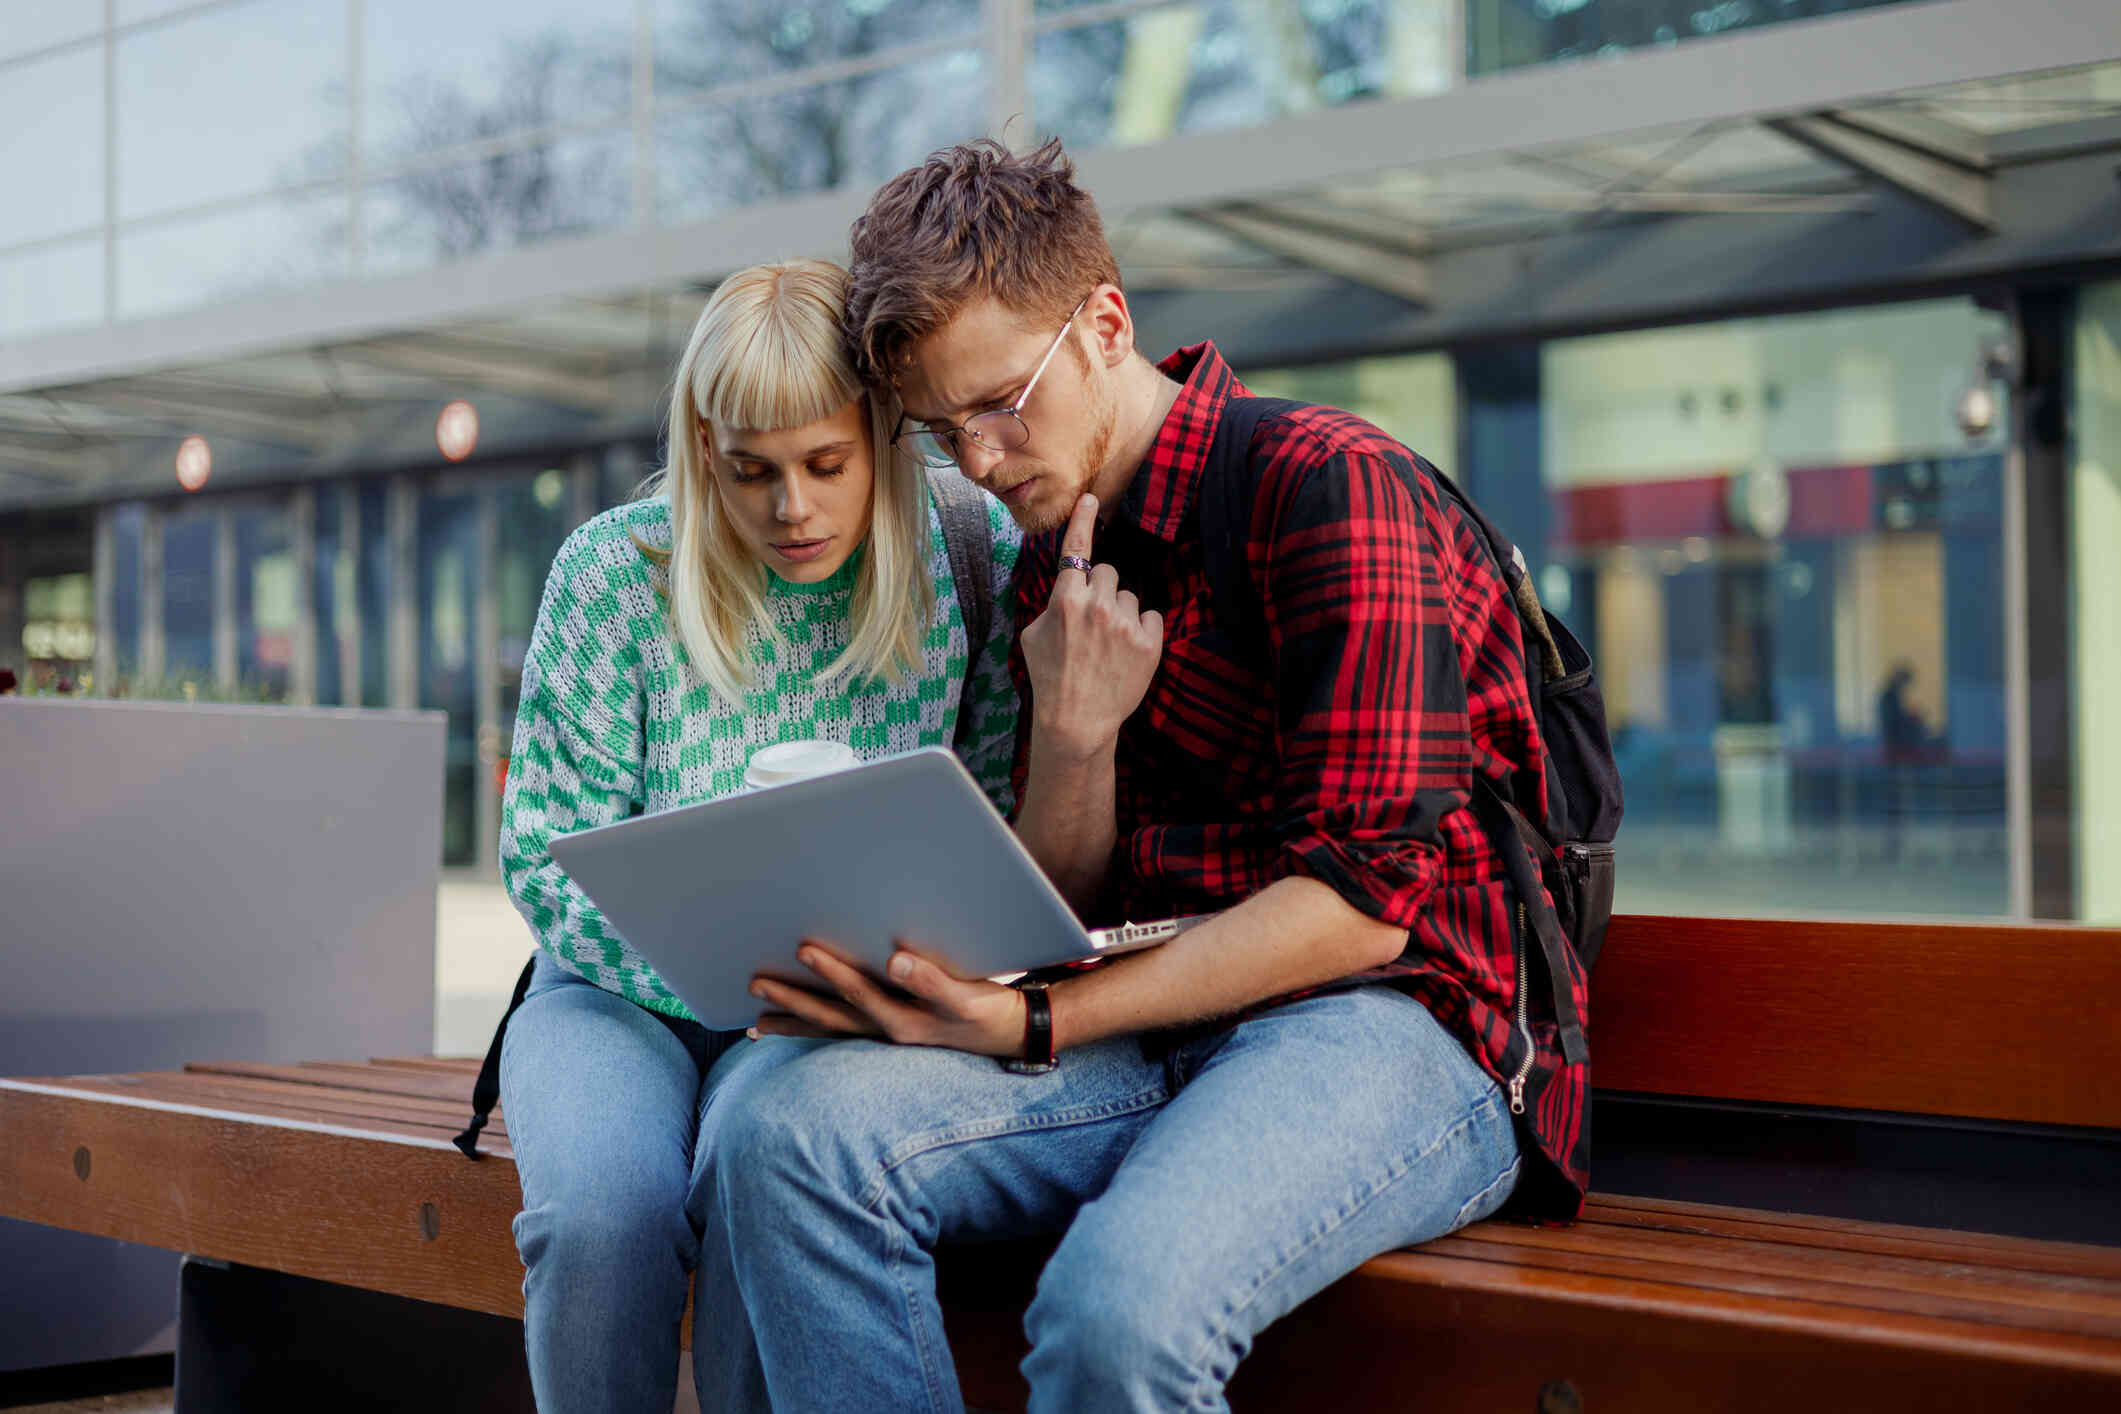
x,y
787,576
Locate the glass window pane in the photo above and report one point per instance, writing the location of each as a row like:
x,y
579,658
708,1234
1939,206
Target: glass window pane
x,y
188,599
1412,396
51,287
193,95
858,131
265,606
372,586
1507,34
1787,559
449,570
128,526
535,518
701,44
332,578
625,468
2095,513
51,164
275,244
136,11
439,76
59,627
1223,63
30,25
512,199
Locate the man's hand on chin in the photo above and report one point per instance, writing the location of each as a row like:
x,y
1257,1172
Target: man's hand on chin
x,y
924,1005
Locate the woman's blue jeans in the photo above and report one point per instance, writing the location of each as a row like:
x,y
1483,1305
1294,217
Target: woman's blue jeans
x,y
1205,1189
602,1101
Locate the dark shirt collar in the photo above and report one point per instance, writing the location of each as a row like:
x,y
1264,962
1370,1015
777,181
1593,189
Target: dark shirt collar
x,y
1158,497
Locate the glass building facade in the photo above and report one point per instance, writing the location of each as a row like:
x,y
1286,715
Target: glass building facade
x,y
1802,574
405,135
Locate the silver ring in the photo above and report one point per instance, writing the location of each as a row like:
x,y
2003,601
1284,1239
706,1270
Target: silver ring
x,y
1075,562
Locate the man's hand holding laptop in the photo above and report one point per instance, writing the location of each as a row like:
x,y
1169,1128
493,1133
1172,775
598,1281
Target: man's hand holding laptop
x,y
1090,658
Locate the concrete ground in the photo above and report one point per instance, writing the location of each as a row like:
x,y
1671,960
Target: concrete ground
x,y
481,943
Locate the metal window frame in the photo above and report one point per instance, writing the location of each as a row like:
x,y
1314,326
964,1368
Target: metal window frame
x,y
1775,71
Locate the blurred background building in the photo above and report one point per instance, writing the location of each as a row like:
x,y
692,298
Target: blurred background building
x,y
1784,335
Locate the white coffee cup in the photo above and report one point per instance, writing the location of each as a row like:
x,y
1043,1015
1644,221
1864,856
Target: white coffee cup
x,y
787,761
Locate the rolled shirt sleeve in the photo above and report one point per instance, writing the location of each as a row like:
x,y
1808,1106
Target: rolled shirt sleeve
x,y
1370,710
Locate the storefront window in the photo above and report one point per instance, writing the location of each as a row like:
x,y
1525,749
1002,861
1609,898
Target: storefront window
x,y
373,587
534,520
128,526
2095,518
622,471
265,602
1787,558
449,571
1410,396
59,629
330,592
187,591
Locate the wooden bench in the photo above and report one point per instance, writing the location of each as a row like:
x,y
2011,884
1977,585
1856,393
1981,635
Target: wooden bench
x,y
344,1172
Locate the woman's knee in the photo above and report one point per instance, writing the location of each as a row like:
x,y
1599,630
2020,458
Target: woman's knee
x,y
593,1236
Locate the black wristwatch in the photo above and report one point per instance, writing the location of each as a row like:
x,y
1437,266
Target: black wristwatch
x,y
1037,1058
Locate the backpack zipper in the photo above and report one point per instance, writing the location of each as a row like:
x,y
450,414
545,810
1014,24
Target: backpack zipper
x,y
1524,1023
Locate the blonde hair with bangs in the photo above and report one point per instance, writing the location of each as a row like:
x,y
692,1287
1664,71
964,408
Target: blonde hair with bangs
x,y
767,354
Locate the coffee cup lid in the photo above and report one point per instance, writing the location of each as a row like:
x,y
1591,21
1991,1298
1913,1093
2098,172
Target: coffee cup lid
x,y
794,760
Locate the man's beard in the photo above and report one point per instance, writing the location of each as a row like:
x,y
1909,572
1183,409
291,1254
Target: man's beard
x,y
1052,511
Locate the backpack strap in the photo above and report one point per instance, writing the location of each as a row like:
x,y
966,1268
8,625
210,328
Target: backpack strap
x,y
1509,562
962,508
486,1090
1229,486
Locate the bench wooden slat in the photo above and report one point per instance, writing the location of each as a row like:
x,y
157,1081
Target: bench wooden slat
x,y
349,1075
1691,1292
1883,1239
1466,1341
340,1208
466,1066
1867,1016
1419,1268
229,1091
1932,1294
1810,1261
166,1099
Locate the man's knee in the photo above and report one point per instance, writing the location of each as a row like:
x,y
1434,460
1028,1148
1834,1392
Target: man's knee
x,y
788,1128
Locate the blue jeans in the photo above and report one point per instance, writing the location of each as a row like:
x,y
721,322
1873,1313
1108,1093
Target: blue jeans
x,y
602,1101
1204,1193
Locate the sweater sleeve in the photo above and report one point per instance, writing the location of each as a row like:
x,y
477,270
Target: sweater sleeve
x,y
990,742
578,758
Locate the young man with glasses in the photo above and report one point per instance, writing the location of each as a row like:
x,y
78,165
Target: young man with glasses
x,y
1325,1068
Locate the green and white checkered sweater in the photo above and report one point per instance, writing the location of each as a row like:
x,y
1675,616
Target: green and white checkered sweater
x,y
615,721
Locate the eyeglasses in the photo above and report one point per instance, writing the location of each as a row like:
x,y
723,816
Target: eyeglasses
x,y
999,430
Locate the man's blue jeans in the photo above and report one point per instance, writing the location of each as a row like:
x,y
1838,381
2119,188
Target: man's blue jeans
x,y
1204,1194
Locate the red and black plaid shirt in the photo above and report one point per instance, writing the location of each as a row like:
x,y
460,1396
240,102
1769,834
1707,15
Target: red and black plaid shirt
x,y
1350,761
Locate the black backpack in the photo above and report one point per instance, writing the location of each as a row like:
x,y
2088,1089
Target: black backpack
x,y
1572,851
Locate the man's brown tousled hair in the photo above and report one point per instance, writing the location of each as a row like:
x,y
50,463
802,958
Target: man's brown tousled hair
x,y
974,220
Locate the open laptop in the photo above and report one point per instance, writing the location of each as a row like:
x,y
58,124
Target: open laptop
x,y
903,848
